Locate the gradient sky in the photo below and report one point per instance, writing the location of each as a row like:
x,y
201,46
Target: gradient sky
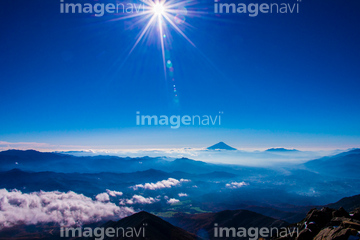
x,y
288,80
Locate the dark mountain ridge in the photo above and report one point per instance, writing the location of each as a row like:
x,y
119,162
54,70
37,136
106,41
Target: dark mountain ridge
x,y
198,223
151,227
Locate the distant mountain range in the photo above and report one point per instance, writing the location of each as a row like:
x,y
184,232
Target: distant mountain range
x,y
304,184
281,150
94,183
31,160
221,146
346,164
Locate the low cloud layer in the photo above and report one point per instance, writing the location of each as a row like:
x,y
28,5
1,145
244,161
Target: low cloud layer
x,y
172,201
64,208
113,193
171,182
235,185
138,199
248,157
38,146
103,197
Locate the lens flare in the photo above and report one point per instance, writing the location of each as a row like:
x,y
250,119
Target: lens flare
x,y
157,19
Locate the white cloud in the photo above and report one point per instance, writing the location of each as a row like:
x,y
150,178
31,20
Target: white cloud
x,y
235,185
38,146
171,182
114,193
22,145
182,194
64,208
103,197
138,199
184,180
172,201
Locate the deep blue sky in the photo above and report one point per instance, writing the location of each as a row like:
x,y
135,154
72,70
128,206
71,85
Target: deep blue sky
x,y
289,80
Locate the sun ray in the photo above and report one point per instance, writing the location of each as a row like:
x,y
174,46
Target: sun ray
x,y
178,30
143,32
162,42
161,15
163,10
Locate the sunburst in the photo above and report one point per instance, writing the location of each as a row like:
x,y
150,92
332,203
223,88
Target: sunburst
x,y
161,14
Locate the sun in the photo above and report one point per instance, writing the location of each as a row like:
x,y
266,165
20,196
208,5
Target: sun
x,y
157,17
159,9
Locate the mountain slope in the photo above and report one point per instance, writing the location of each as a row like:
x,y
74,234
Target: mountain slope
x,y
31,160
221,146
345,164
151,227
348,203
197,223
146,225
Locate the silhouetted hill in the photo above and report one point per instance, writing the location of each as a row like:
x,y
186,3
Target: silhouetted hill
x,y
153,228
348,203
293,215
221,146
147,226
197,223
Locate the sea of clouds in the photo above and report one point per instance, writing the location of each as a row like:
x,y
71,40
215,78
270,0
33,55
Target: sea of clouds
x,y
236,157
63,208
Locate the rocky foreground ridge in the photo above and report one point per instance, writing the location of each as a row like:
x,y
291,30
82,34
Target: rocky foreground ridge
x,y
328,224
